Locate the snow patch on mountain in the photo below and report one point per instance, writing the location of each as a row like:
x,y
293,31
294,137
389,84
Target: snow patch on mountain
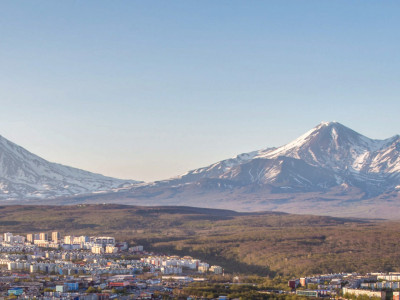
x,y
326,156
26,175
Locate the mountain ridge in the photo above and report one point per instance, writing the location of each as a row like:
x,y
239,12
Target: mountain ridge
x,y
25,175
319,147
329,170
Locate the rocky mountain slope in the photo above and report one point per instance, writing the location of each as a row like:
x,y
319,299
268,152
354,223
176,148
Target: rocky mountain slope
x,y
329,170
329,155
24,175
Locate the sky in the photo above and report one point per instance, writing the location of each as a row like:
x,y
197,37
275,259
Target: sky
x,y
148,90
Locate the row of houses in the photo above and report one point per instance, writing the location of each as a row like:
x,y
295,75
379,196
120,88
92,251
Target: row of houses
x,y
371,285
175,264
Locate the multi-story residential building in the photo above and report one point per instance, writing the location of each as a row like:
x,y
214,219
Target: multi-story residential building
x,y
390,277
55,236
303,281
97,249
216,269
83,239
7,237
111,249
41,243
104,240
203,268
171,270
369,293
43,236
69,239
294,283
136,248
17,239
30,237
396,295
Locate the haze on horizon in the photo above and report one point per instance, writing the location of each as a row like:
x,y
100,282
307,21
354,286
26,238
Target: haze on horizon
x,y
151,89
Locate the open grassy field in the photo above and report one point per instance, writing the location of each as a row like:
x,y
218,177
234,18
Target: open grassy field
x,y
274,244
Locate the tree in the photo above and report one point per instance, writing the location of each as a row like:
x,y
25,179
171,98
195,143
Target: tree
x,y
91,289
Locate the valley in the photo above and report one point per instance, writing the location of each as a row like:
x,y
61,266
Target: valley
x,y
264,243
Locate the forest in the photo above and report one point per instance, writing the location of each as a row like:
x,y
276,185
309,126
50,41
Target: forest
x,y
269,244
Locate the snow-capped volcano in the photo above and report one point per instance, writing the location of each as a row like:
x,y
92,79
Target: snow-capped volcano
x,y
24,175
328,168
330,154
333,145
352,158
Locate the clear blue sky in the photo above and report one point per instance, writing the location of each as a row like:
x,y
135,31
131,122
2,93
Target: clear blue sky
x,y
150,89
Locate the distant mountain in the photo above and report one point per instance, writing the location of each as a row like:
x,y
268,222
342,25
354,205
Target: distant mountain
x,y
329,170
24,175
329,155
